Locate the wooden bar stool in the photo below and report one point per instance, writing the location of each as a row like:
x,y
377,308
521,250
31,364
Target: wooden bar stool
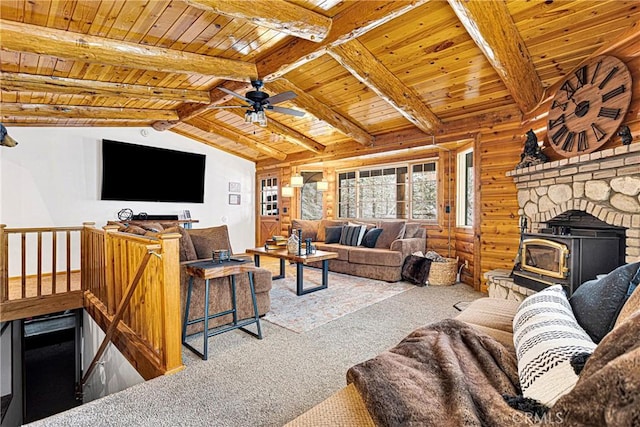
x,y
209,270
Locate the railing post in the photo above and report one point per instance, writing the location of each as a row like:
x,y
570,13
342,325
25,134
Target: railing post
x,y
109,253
4,267
170,300
84,255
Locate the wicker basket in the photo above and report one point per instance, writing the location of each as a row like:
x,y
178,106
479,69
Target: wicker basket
x,y
443,273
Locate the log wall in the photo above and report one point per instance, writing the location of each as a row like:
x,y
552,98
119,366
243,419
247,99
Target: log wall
x,y
493,242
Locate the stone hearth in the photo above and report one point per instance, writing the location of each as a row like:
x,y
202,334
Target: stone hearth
x,y
605,184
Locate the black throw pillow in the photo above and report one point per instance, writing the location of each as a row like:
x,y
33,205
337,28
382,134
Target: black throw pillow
x,y
332,234
597,303
370,238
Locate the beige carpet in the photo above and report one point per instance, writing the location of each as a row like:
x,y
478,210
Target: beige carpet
x,y
345,294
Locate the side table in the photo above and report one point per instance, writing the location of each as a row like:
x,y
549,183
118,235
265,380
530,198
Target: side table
x,y
211,270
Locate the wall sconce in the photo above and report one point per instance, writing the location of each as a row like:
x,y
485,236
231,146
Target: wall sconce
x,y
286,191
322,185
297,181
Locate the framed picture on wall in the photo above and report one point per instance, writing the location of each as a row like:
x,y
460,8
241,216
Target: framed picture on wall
x,y
234,187
234,199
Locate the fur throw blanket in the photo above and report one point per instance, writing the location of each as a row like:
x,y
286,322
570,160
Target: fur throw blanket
x,y
449,374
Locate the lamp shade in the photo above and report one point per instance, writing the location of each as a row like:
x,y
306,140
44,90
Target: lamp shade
x,y
297,181
286,191
322,185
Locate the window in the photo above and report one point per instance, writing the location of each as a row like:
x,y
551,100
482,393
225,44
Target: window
x,y
311,205
398,191
464,211
269,196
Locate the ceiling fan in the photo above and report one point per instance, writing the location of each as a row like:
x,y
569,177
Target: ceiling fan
x,y
259,101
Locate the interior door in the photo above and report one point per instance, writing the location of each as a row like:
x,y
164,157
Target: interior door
x,y
268,205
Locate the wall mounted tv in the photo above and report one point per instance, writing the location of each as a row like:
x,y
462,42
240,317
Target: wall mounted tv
x,y
149,174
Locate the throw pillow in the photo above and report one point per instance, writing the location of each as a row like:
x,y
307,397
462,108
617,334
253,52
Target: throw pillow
x,y
332,234
324,224
415,269
207,240
633,302
187,250
309,228
352,235
412,230
134,229
546,335
391,230
371,237
597,303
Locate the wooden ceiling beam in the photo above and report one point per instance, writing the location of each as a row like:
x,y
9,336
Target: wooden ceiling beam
x,y
491,27
92,49
364,66
322,111
22,82
189,131
233,135
279,15
83,112
351,23
294,136
190,110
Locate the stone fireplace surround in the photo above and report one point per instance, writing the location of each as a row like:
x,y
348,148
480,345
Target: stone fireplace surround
x,y
605,184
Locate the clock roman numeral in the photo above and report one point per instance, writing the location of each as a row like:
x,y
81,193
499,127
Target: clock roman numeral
x,y
595,72
556,122
609,76
568,142
613,93
610,113
560,133
598,132
581,75
568,87
582,141
562,105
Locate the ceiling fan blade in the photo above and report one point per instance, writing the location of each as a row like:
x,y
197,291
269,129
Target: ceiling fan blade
x,y
237,95
281,97
230,106
286,110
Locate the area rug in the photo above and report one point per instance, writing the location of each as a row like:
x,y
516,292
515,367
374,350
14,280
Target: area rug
x,y
345,294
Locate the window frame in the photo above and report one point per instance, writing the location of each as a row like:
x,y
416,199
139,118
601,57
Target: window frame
x,y
461,188
408,189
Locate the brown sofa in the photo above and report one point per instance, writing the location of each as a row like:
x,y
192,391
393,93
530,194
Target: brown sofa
x,y
398,240
493,317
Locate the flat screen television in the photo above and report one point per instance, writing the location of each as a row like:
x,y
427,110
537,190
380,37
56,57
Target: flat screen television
x,y
148,174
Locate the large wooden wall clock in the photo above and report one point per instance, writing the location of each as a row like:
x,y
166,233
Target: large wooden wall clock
x,y
589,106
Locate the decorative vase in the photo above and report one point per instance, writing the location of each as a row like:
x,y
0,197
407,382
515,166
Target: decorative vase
x,y
292,244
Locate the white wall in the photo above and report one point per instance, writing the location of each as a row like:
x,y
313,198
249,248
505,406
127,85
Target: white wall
x,y
52,178
113,373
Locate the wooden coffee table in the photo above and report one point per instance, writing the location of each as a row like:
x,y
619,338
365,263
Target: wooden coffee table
x,y
300,261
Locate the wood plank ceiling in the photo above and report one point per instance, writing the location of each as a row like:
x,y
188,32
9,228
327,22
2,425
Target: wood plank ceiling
x,y
366,73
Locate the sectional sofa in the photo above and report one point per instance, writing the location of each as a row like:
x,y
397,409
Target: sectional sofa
x,y
382,259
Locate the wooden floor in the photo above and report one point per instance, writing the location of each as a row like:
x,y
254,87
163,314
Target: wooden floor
x,y
15,284
31,285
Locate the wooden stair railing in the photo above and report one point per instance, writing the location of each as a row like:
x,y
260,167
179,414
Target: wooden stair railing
x,y
146,329
41,293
